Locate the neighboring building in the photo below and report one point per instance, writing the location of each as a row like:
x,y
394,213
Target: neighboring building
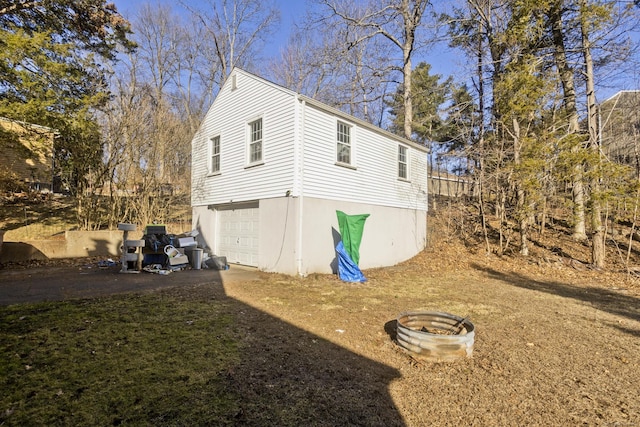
x,y
270,167
27,153
450,185
619,120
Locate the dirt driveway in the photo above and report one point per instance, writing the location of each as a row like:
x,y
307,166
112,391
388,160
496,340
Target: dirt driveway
x,y
85,279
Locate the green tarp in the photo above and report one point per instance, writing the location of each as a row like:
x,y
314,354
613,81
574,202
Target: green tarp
x,y
351,228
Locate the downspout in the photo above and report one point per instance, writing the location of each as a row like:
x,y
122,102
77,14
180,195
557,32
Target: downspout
x,y
299,141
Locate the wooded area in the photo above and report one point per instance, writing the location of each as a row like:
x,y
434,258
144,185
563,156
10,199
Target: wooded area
x,y
525,124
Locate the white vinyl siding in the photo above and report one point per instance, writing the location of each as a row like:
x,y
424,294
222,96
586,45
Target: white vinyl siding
x,y
229,117
314,130
375,180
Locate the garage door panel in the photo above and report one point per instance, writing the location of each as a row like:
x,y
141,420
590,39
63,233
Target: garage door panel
x,y
238,235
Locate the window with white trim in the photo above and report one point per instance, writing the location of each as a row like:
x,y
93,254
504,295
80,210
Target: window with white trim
x,y
214,154
255,141
343,143
402,162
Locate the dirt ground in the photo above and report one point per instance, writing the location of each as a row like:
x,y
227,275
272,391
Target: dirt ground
x,y
556,343
553,345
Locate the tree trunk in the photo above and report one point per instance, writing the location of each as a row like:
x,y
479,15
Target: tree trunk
x,y
481,142
410,26
408,104
569,91
523,217
597,245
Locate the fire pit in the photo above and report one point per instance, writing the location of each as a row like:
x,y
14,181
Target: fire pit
x,y
435,336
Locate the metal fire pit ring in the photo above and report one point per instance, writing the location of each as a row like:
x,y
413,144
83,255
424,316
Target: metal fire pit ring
x,y
435,336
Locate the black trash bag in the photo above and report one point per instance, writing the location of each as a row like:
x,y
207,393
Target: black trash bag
x,y
151,241
168,239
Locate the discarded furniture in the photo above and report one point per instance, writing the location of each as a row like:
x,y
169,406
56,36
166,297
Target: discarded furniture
x,y
131,249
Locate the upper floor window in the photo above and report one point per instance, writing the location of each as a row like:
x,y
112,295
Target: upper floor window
x,y
255,141
343,139
214,150
402,162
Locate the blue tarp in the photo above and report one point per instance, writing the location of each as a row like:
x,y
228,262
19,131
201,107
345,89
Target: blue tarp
x,y
348,270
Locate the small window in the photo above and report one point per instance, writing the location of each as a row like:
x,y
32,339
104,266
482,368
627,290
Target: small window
x,y
255,141
343,138
402,162
214,150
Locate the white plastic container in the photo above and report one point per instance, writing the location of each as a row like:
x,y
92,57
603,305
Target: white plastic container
x,y
171,252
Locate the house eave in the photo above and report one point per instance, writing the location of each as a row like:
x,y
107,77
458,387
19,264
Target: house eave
x,y
28,125
619,94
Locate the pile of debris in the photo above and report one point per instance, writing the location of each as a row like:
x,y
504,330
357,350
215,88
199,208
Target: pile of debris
x,y
162,253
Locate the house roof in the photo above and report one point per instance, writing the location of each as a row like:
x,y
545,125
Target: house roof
x,y
335,111
621,95
28,125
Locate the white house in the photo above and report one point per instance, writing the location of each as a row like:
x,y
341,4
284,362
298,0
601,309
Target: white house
x,y
270,167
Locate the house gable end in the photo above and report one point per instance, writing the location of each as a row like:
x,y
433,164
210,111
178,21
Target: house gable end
x,y
253,123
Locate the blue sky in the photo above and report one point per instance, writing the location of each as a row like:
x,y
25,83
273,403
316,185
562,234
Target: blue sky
x,y
443,60
290,11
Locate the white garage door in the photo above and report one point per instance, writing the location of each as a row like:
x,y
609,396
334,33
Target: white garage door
x,y
238,231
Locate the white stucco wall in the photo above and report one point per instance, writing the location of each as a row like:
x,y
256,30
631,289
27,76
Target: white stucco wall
x,y
391,235
204,220
278,235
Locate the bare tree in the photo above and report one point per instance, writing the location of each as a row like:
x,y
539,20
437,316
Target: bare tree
x,y
397,22
480,30
317,63
148,127
302,64
233,32
161,93
194,86
159,43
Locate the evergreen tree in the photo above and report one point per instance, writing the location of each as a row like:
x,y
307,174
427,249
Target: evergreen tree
x,y
52,72
429,96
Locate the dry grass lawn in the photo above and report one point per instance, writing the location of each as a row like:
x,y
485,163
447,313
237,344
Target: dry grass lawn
x,y
556,344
